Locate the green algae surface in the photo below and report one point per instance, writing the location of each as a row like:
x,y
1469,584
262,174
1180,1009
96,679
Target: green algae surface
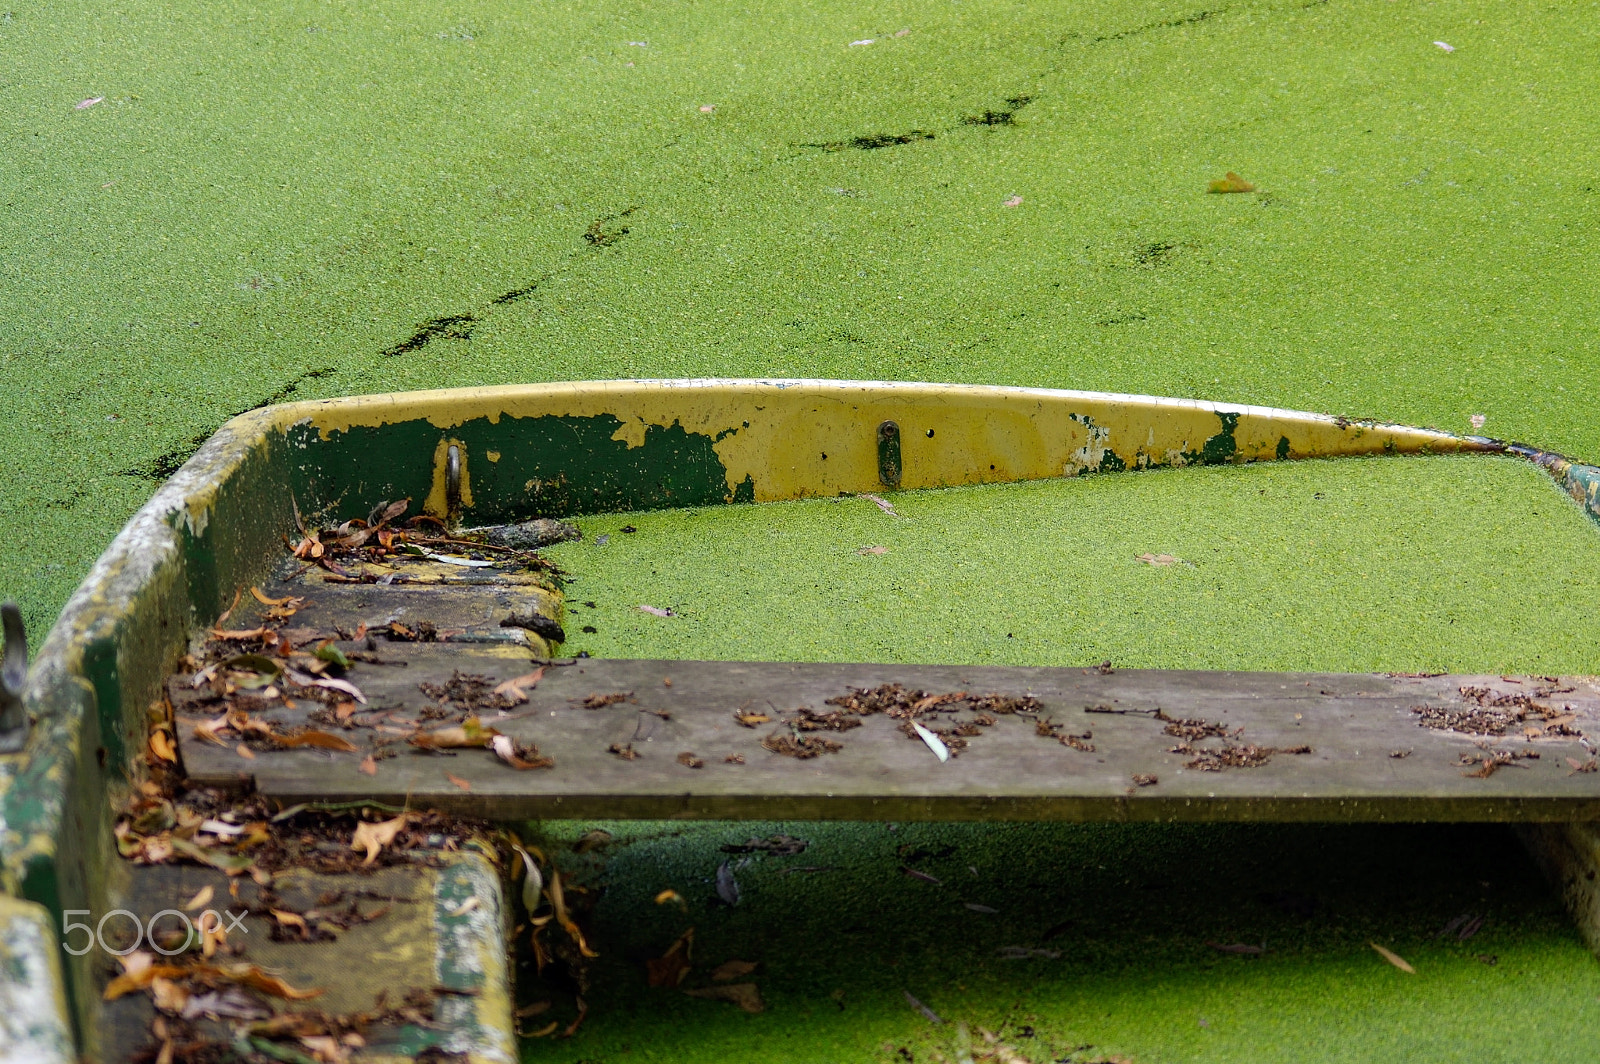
x,y
1463,564
1424,564
1129,917
324,198
318,198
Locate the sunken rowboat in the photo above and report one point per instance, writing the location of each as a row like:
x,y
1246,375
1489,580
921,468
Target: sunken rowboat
x,y
185,772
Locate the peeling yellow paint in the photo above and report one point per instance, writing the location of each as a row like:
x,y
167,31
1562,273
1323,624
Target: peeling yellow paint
x,y
776,432
632,433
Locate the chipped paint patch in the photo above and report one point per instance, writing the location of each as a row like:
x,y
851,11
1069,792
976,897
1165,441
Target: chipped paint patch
x,y
1088,457
34,1024
472,957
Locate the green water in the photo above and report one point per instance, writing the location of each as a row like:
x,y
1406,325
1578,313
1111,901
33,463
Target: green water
x,y
1409,564
1444,563
1131,910
269,198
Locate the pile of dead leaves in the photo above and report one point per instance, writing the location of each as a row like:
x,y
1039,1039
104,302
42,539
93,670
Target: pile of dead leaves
x,y
186,991
1230,755
162,823
951,718
244,677
1501,714
672,969
379,538
1489,760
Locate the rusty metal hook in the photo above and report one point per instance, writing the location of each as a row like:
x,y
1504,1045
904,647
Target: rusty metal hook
x,y
452,481
13,676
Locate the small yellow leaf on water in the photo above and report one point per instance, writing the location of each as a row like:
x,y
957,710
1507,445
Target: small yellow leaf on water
x,y
1232,183
1393,958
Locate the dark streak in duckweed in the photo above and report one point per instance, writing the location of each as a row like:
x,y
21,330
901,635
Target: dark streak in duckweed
x,y
162,467
874,141
448,327
1007,117
1168,24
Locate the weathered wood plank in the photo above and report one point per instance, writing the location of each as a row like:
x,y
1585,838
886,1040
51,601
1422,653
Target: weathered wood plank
x,y
1351,722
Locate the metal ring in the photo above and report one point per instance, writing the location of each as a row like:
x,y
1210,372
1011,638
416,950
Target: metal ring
x,y
452,478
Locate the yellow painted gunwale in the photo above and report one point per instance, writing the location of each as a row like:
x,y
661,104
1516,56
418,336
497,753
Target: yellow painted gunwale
x,y
797,438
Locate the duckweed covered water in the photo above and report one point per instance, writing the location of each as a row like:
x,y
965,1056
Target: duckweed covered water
x,y
274,203
841,935
1462,563
1408,564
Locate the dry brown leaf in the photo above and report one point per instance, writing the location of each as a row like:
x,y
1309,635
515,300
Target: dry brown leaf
x,y
872,550
1393,958
465,785
671,967
374,837
369,765
1159,559
727,970
320,739
140,977
256,979
289,919
161,746
751,720
557,897
265,601
469,733
245,752
201,899
744,995
546,1030
517,688
537,1008
673,896
237,594
1231,183
239,635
